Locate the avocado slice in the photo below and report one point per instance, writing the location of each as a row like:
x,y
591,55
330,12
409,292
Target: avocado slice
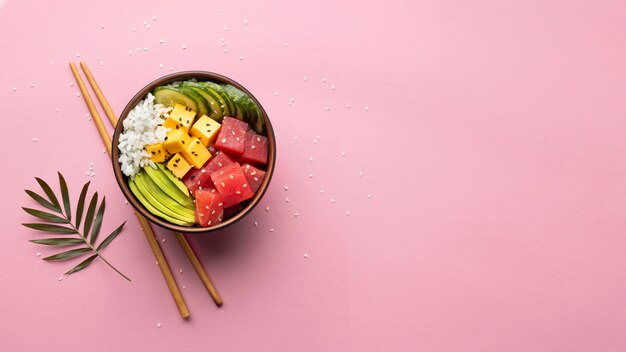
x,y
169,187
152,209
163,203
179,184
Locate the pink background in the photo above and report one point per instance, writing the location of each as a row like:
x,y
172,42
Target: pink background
x,y
494,148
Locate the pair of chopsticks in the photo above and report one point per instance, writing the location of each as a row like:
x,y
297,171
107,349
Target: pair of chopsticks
x,y
145,225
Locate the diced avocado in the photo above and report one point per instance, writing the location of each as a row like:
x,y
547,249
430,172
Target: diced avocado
x,y
170,96
203,105
167,186
152,209
178,183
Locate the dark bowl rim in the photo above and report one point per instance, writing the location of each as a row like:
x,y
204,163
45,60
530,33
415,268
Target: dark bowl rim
x,y
121,178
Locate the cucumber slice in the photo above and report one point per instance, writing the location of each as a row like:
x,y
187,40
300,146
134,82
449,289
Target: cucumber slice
x,y
133,188
251,113
229,105
179,184
203,105
212,99
170,96
259,124
237,97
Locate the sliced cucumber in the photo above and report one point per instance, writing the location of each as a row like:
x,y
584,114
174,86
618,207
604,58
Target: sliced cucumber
x,y
203,105
250,112
237,97
229,106
170,96
212,99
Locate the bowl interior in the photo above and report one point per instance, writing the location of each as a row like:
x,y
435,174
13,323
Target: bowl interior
x,y
122,179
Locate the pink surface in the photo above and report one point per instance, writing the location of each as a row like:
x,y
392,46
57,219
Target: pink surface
x,y
493,146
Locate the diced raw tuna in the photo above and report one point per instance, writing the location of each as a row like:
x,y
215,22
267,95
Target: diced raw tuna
x,y
232,136
209,207
253,175
201,178
255,149
231,183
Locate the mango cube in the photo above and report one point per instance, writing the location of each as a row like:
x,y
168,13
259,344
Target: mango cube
x,y
157,152
178,165
196,153
176,141
206,129
180,118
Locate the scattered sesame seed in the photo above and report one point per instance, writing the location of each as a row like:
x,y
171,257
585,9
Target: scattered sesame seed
x,y
184,287
148,26
310,159
296,214
14,89
39,254
56,110
295,138
304,78
306,255
32,85
34,139
161,41
159,325
160,65
184,47
315,141
347,213
145,48
134,29
287,200
92,174
98,58
343,153
321,191
348,106
245,22
286,44
267,208
219,15
226,28
164,240
285,188
87,173
60,278
256,224
138,49
369,196
324,79
361,173
241,58
310,175
272,230
171,69
332,200
180,271
78,94
225,51
51,62
275,93
104,150
101,63
125,201
154,18
327,108
102,26
77,54
366,108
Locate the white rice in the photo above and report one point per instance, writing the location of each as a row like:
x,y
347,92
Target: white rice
x,y
141,128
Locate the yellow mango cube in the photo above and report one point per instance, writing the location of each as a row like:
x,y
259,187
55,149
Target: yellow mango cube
x,y
157,152
176,141
206,129
180,118
196,153
178,165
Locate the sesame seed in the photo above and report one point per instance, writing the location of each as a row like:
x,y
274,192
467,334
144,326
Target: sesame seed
x,y
285,188
34,139
267,208
348,106
241,58
332,87
164,240
51,62
347,213
306,255
101,63
56,110
304,78
245,22
272,230
296,214
343,153
256,224
225,51
154,18
161,41
171,69
39,254
287,200
310,159
310,175
145,48
78,94
148,26
238,192
295,138
77,54
226,28
369,196
32,85
275,93
14,89
332,200
130,52
159,325
160,65
324,79
321,191
219,15
286,44
102,26
327,108
184,47
366,108
60,278
134,29
125,201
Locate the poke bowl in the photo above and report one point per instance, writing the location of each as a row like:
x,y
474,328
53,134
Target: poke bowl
x,y
193,151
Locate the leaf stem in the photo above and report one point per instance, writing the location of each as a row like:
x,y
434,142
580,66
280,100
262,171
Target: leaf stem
x,y
96,251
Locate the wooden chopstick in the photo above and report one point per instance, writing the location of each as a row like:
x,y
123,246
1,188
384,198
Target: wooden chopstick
x,y
145,225
195,262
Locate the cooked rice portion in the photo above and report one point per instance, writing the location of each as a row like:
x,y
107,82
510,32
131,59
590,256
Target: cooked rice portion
x,y
143,126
